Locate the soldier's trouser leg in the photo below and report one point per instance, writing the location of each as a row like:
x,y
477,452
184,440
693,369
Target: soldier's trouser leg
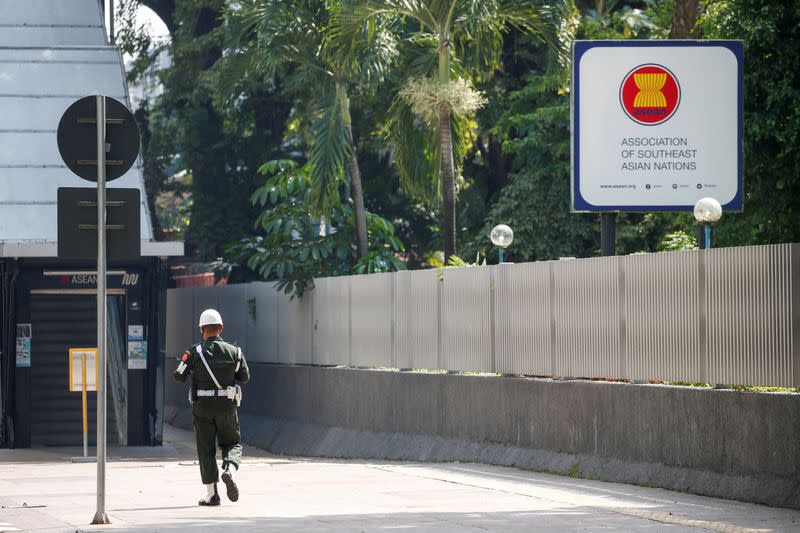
x,y
229,438
205,432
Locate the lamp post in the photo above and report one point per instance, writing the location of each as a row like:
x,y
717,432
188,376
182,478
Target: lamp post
x,y
707,212
502,237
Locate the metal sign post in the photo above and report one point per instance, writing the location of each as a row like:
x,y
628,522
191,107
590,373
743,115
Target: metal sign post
x,y
83,408
79,360
115,153
100,516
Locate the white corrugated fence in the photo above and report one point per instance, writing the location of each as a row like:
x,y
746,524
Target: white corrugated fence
x,y
724,316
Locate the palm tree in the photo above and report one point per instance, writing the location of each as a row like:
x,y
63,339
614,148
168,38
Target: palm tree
x,y
269,34
448,37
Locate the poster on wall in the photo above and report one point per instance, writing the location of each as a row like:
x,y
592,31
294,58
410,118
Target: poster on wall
x,y
656,125
136,332
137,355
23,345
137,347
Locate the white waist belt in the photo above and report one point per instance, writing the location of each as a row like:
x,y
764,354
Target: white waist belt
x,y
222,392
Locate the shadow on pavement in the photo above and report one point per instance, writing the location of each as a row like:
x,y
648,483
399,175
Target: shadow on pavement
x,y
553,519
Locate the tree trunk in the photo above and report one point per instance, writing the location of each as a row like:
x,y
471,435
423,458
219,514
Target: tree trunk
x,y
448,185
448,173
202,150
684,19
356,189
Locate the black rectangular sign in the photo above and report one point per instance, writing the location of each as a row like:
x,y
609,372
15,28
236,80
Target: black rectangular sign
x,y
77,223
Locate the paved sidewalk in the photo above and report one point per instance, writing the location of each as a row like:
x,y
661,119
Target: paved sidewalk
x,y
156,489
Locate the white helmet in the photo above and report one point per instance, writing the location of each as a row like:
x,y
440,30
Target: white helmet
x,y
210,317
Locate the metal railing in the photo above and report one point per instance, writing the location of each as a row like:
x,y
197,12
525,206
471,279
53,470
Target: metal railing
x,y
722,316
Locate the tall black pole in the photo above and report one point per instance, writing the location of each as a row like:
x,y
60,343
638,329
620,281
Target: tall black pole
x,y
701,236
111,21
608,234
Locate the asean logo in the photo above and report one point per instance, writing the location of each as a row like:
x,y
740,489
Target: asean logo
x,y
650,94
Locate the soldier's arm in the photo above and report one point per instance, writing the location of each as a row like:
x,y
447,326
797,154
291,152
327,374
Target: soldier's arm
x,y
242,372
184,367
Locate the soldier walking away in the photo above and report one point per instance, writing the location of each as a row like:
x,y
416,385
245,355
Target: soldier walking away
x,y
215,367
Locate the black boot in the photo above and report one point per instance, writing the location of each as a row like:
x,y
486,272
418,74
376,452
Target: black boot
x,y
230,484
212,498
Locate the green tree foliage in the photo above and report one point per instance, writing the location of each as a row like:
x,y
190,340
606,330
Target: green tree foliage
x,y
219,144
770,31
292,248
415,222
536,201
533,122
677,241
447,38
511,157
265,34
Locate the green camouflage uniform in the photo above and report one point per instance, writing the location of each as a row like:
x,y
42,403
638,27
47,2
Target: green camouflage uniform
x,y
215,418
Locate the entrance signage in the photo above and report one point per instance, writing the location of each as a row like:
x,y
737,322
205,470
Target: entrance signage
x,y
656,125
77,138
77,223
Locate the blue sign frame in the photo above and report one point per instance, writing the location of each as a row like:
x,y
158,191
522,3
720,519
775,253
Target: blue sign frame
x,y
579,204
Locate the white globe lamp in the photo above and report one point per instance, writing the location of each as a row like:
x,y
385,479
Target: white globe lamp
x,y
502,236
707,211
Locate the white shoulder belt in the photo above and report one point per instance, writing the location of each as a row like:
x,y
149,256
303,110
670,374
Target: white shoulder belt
x,y
199,350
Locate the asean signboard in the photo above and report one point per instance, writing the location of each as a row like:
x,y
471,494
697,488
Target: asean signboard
x,y
656,125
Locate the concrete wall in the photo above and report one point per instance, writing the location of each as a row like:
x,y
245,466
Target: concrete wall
x,y
715,442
